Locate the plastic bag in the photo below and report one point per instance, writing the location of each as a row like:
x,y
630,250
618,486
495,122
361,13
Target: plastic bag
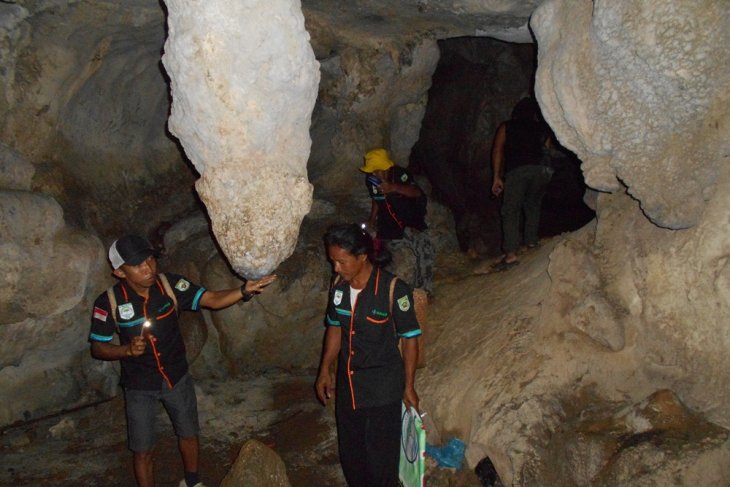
x,y
412,466
450,455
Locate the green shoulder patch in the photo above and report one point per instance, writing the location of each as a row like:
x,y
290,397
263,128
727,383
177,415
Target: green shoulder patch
x,y
404,303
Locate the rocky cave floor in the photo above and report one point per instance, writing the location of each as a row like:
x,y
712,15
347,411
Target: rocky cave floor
x,y
278,408
87,446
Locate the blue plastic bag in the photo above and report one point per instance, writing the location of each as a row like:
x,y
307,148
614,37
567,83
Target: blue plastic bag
x,y
450,455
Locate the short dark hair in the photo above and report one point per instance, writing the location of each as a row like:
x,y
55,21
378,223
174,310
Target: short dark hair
x,y
352,238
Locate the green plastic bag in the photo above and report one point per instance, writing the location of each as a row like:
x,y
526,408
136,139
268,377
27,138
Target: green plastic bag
x,y
412,449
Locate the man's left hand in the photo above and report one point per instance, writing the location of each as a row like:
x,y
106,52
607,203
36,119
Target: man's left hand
x,y
256,286
410,398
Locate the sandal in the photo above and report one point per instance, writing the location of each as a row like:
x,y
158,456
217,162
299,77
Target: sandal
x,y
503,265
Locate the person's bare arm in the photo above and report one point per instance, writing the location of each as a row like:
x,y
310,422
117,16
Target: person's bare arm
x,y
223,299
408,190
110,351
373,220
498,160
409,349
324,386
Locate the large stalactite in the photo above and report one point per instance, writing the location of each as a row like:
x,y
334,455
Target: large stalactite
x,y
244,80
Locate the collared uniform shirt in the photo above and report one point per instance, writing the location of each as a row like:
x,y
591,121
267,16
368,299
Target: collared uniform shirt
x,y
370,369
163,362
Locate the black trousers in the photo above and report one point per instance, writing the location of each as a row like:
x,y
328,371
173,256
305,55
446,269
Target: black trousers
x,y
369,442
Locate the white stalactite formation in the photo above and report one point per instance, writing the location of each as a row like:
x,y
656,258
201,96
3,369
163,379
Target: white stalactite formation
x,y
244,81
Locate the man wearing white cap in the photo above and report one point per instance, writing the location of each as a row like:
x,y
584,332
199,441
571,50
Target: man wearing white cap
x,y
142,309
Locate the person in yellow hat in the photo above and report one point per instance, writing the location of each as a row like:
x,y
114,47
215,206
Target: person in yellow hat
x,y
398,215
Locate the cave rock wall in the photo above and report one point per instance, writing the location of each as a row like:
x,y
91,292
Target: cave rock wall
x,y
651,60
85,101
603,361
50,273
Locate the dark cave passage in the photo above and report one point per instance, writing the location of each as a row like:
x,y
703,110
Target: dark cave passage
x,y
474,87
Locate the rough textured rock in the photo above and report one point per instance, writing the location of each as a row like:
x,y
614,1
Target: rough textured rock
x,y
83,94
370,96
256,466
15,172
49,274
243,94
249,336
608,59
655,442
621,309
665,133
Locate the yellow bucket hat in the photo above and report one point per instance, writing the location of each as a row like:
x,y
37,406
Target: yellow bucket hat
x,y
377,160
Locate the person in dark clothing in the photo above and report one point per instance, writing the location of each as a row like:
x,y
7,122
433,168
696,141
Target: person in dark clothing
x,y
142,309
369,311
517,156
398,213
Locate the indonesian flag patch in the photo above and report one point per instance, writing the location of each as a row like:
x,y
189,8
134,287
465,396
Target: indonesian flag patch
x,y
100,314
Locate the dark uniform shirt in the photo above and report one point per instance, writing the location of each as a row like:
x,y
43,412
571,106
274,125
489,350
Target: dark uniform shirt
x,y
163,362
396,211
370,370
523,143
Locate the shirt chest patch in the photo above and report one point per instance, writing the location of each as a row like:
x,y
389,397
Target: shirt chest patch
x,y
126,311
337,298
182,285
404,178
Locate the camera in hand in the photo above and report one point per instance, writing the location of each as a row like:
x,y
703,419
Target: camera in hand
x,y
374,180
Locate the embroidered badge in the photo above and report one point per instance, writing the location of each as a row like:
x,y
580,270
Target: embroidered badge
x,y
126,311
182,285
338,297
100,314
404,303
404,178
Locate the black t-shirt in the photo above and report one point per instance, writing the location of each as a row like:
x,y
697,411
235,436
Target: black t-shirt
x,y
524,143
163,362
396,211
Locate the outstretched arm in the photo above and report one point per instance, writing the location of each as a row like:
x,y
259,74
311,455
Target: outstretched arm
x,y
223,299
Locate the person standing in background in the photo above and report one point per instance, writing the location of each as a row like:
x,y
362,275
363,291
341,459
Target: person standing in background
x,y
398,213
519,175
